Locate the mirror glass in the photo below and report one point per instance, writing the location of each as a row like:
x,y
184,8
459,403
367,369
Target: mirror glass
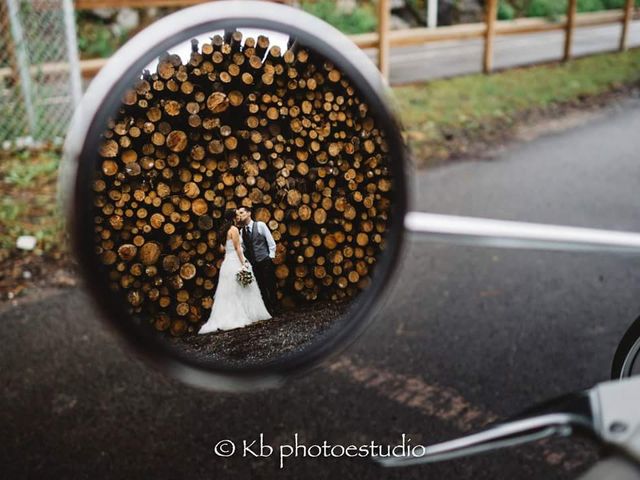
x,y
241,197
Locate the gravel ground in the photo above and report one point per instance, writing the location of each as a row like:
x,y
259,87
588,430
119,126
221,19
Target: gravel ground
x,y
265,340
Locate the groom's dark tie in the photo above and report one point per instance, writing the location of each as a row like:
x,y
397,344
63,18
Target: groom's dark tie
x,y
246,237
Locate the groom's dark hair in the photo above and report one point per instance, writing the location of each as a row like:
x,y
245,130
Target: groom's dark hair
x,y
248,209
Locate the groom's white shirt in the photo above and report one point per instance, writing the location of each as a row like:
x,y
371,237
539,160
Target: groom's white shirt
x,y
264,230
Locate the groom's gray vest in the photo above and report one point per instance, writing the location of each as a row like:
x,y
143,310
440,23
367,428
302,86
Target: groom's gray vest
x,y
260,249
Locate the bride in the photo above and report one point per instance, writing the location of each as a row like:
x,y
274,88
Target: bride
x,y
234,306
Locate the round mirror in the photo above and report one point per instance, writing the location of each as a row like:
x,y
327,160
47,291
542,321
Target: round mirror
x,y
236,192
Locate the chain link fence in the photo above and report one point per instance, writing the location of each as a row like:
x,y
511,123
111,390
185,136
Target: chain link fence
x,y
40,80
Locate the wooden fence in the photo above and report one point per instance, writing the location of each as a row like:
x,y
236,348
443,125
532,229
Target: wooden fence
x,y
384,39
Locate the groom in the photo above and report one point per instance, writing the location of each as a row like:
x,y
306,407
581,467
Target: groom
x,y
260,250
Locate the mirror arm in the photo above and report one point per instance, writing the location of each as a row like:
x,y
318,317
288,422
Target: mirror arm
x,y
608,412
561,417
509,234
506,435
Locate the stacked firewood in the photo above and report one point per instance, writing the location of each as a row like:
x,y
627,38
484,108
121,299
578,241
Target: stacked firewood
x,y
241,123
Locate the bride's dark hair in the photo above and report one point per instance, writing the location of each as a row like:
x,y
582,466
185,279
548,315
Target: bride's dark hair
x,y
227,223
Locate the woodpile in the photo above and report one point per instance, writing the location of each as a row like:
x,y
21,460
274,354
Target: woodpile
x,y
241,123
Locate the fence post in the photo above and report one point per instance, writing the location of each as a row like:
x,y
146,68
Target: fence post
x,y
384,12
5,37
628,13
432,13
23,63
72,51
491,14
570,27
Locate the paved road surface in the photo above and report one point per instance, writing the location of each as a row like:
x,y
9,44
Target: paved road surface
x,y
447,59
469,335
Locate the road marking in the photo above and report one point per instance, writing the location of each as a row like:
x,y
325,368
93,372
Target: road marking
x,y
448,405
444,403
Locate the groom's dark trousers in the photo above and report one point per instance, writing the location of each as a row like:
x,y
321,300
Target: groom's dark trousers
x,y
264,272
266,278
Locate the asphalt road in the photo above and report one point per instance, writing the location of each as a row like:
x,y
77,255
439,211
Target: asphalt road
x,y
451,58
469,335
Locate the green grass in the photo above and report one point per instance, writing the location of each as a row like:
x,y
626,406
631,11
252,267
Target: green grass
x,y
25,172
28,200
437,111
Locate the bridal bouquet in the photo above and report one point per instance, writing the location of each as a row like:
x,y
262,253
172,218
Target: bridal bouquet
x,y
244,277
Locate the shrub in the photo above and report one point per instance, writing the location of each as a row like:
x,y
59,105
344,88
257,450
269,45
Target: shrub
x,y
363,19
546,8
96,38
611,4
506,11
590,5
554,8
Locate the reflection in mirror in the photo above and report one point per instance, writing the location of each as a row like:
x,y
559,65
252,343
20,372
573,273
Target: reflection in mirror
x,y
241,196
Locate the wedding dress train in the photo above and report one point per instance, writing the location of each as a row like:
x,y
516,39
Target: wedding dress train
x,y
234,306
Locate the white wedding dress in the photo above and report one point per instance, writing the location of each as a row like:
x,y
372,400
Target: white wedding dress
x,y
234,306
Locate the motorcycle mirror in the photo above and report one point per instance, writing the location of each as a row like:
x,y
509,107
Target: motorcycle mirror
x,y
215,117
251,114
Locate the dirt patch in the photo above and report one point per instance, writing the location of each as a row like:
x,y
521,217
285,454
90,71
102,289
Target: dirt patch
x,y
29,207
286,332
24,275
